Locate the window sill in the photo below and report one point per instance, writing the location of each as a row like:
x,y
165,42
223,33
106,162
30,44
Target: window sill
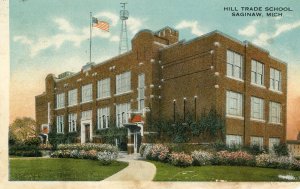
x,y
86,102
257,85
123,93
60,108
234,78
72,131
234,117
72,105
271,123
104,98
278,92
258,120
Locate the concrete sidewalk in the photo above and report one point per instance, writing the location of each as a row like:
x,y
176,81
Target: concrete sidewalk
x,y
137,170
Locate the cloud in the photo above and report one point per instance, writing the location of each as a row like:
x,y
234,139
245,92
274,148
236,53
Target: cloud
x,y
249,30
134,24
192,25
64,25
67,33
267,37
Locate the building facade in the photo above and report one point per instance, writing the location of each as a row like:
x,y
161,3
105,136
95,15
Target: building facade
x,y
170,77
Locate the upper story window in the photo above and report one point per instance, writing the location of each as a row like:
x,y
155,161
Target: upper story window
x,y
87,93
275,113
123,82
275,79
103,88
103,118
257,73
122,113
141,92
234,104
234,65
257,108
60,124
60,100
72,97
86,115
72,122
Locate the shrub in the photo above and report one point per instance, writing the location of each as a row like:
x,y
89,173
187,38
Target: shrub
x,y
105,157
233,158
281,162
32,142
25,151
158,152
45,147
219,146
180,159
254,150
201,157
142,149
281,150
147,150
88,146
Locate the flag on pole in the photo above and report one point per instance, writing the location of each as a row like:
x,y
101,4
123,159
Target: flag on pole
x,y
100,24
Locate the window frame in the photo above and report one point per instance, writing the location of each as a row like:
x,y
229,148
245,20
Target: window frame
x,y
60,124
259,102
123,82
87,91
60,100
229,104
255,73
103,112
234,65
103,88
72,96
122,113
275,83
72,120
278,111
141,91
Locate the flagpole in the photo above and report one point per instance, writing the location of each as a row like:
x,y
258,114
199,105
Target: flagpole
x,y
91,37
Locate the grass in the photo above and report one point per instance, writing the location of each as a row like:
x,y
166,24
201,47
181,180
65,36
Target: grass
x,y
46,169
167,172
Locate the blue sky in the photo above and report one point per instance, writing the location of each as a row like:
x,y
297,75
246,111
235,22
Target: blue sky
x,y
53,36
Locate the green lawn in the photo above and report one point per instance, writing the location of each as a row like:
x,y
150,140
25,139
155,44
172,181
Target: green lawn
x,y
167,172
40,169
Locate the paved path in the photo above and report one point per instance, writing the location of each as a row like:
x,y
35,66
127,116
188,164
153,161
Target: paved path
x,y
137,170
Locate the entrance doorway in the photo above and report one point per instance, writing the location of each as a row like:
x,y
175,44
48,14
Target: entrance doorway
x,y
137,141
87,133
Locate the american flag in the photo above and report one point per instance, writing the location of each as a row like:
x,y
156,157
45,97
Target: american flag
x,y
100,24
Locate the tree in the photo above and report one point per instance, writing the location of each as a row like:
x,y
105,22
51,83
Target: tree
x,y
23,128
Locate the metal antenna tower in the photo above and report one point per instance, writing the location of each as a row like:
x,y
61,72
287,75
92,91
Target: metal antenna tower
x,y
123,45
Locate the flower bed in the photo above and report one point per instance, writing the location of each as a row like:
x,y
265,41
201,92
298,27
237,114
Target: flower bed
x,y
25,150
180,159
202,157
281,162
233,158
105,153
158,152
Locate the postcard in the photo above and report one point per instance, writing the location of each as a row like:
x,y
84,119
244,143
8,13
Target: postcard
x,y
150,94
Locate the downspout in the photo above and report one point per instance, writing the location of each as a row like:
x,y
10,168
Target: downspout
x,y
244,74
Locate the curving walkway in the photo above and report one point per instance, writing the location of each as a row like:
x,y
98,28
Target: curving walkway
x,y
137,170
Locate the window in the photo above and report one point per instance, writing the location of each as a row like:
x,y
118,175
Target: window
x,y
60,124
257,73
87,93
103,118
72,97
60,100
103,88
234,104
275,112
123,82
122,113
86,115
259,141
234,65
141,92
275,79
257,108
272,143
72,122
233,140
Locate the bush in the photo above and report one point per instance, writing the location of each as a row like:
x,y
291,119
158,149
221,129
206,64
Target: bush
x,y
105,153
233,158
25,151
45,147
33,142
202,157
142,149
158,152
254,150
180,159
281,150
281,162
219,146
